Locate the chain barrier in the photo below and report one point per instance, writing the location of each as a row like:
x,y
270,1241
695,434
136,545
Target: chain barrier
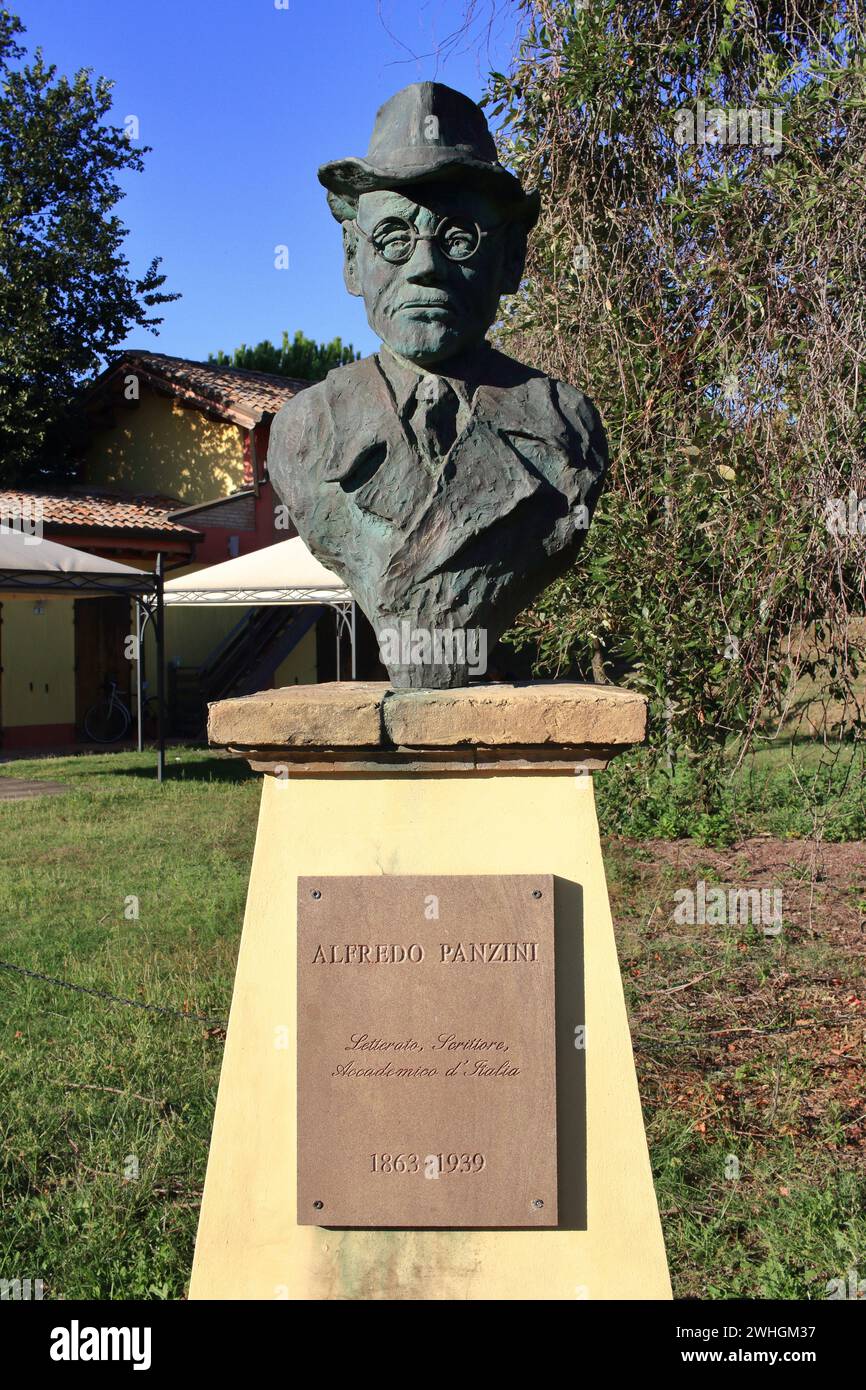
x,y
113,998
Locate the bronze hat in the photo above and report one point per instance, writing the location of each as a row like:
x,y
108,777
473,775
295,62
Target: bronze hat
x,y
427,132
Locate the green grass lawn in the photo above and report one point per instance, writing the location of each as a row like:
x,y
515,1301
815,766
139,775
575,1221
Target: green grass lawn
x,y
792,789
94,1091
746,1046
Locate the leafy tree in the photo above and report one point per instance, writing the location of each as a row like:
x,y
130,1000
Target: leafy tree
x,y
66,295
302,358
709,295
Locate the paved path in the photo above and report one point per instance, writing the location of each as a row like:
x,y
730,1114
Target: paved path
x,y
22,789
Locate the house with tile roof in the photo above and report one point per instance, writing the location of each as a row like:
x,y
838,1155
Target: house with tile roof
x,y
173,464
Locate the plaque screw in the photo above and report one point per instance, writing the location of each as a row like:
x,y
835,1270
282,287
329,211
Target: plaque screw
x,y
318,1205
316,894
536,892
538,1202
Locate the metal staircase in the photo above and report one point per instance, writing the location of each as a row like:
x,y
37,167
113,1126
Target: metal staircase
x,y
243,662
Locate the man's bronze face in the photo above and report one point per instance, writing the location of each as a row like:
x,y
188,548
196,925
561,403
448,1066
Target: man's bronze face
x,y
431,285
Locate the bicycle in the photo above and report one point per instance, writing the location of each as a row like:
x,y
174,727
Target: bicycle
x,y
110,718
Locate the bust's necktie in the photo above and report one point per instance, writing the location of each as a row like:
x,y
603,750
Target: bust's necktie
x,y
434,420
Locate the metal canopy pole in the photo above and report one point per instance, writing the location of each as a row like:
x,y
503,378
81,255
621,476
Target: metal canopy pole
x,y
139,674
160,667
354,659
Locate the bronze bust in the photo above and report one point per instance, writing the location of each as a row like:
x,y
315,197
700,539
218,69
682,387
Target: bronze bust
x,y
446,483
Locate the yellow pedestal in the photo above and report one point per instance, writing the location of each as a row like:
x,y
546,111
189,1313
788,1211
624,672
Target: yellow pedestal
x,y
609,1244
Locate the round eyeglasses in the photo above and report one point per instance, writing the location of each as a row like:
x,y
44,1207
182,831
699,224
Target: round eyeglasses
x,y
395,238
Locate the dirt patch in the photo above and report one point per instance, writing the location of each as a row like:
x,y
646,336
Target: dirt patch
x,y
750,1028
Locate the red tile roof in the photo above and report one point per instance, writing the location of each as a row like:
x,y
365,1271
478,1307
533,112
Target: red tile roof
x,y
232,392
93,509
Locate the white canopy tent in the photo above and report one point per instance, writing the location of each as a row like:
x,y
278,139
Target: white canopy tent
x,y
283,573
30,564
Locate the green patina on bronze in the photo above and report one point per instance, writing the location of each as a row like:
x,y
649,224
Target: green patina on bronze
x,y
444,482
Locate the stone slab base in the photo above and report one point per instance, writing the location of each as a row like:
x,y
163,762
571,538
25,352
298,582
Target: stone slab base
x,y
357,726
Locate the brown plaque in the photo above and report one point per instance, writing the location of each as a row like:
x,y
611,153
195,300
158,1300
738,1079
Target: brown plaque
x,y
426,1051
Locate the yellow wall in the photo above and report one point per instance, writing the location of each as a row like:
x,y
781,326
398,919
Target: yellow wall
x,y
38,649
192,633
159,446
41,649
299,668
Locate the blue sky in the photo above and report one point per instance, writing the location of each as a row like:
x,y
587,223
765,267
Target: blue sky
x,y
241,102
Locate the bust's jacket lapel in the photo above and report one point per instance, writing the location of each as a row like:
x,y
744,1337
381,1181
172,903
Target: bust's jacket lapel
x,y
362,416
515,446
373,461
366,507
